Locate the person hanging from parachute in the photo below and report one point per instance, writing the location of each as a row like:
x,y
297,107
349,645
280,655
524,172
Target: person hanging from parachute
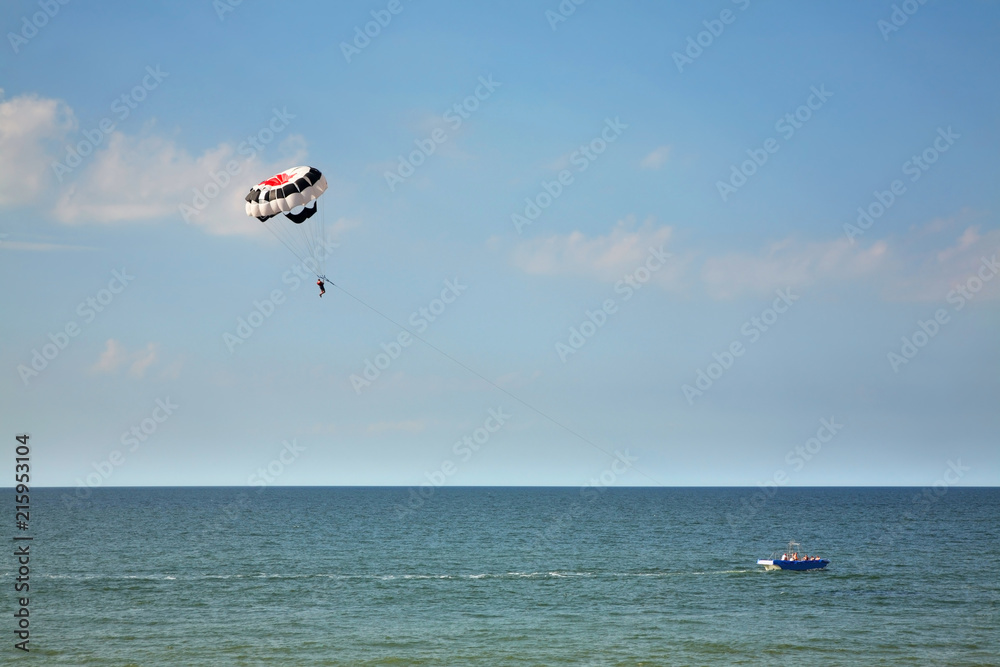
x,y
284,192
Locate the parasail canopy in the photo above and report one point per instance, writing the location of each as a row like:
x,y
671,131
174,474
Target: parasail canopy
x,y
283,192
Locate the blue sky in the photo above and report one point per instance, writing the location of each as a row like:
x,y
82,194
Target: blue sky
x,y
679,261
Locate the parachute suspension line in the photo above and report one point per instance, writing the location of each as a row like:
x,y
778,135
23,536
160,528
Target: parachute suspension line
x,y
308,237
294,188
316,234
301,257
311,237
487,380
287,245
324,241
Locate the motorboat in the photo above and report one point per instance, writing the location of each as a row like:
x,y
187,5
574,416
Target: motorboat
x,y
792,560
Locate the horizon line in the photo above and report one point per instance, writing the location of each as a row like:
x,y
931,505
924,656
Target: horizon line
x,y
504,486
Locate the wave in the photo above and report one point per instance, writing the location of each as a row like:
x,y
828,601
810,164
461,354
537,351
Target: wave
x,y
552,574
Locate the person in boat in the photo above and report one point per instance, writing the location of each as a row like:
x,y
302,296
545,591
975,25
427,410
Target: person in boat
x,y
322,289
784,556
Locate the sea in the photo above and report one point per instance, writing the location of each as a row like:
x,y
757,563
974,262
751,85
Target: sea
x,y
506,576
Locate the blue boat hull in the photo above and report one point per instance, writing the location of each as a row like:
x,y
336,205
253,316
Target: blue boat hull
x,y
801,564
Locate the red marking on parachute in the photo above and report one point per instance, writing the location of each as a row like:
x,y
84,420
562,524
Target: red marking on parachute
x,y
275,181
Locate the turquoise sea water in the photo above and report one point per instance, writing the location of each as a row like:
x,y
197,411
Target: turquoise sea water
x,y
507,576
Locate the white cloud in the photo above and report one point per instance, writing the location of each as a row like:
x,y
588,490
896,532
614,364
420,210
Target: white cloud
x,y
111,358
905,268
143,360
656,159
931,276
560,163
605,258
897,269
115,355
789,263
30,126
136,178
944,223
786,263
129,178
968,239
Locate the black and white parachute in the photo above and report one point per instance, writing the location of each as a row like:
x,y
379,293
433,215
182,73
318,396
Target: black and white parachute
x,y
292,189
283,192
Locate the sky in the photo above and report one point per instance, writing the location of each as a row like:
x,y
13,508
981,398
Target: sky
x,y
632,243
